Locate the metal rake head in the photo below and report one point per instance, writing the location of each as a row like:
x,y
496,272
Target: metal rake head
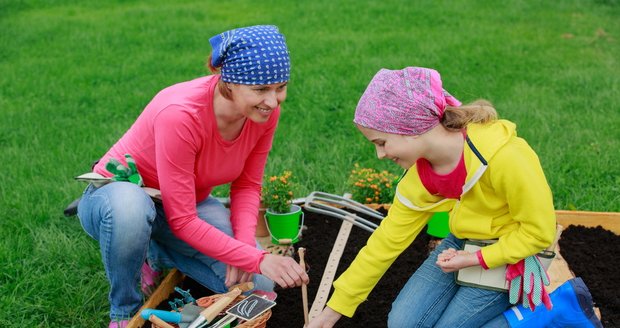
x,y
337,206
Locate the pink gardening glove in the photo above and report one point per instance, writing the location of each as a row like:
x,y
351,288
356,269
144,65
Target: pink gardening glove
x,y
528,277
514,276
535,279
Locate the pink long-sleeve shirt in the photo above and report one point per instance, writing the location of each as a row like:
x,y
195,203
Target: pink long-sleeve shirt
x,y
179,150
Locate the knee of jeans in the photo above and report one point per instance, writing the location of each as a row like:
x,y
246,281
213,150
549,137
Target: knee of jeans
x,y
400,316
216,215
130,206
449,242
261,282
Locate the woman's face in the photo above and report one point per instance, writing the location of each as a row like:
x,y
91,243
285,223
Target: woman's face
x,y
257,102
401,149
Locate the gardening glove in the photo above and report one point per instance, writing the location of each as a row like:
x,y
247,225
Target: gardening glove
x,y
534,281
527,279
124,173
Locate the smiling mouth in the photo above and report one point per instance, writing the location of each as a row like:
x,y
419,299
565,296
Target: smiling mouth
x,y
264,110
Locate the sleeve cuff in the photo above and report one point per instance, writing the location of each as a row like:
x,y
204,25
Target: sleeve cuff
x,y
483,264
343,303
260,260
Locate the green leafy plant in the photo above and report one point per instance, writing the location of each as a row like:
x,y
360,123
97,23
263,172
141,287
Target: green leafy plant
x,y
370,186
278,192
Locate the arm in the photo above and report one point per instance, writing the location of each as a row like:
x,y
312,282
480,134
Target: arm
x,y
395,234
516,173
245,190
177,142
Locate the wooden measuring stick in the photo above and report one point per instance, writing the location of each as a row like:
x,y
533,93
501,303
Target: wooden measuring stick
x,y
161,323
330,269
304,287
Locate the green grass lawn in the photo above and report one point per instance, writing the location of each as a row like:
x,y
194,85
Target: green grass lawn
x,y
75,74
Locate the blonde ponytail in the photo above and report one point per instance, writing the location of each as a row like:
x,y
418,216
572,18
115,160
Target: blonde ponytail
x,y
479,111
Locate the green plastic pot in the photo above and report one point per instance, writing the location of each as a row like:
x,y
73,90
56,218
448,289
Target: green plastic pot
x,y
438,225
285,228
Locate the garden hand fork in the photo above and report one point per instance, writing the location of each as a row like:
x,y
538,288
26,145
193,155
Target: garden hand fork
x,y
333,205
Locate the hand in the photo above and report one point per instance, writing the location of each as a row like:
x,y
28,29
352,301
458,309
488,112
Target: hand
x,y
124,173
326,319
236,276
451,260
283,270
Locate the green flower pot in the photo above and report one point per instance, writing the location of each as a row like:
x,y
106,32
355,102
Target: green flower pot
x,y
285,228
438,225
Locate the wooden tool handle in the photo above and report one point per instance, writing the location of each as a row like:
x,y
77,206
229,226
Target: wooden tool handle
x,y
246,286
304,287
558,232
161,323
212,311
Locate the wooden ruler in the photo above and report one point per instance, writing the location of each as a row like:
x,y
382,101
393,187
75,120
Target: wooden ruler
x,y
330,270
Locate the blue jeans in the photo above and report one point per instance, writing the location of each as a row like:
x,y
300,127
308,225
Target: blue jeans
x,y
431,298
130,226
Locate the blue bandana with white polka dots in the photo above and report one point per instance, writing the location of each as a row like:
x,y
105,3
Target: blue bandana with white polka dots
x,y
251,55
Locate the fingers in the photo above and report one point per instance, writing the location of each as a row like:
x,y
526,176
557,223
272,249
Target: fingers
x,y
236,276
245,277
231,276
446,254
326,319
515,290
283,270
293,275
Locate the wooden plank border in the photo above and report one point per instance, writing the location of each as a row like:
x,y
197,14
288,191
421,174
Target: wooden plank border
x,y
608,220
162,292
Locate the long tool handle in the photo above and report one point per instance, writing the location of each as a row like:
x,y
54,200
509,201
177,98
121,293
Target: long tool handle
x,y
246,286
212,311
304,287
208,314
558,233
224,321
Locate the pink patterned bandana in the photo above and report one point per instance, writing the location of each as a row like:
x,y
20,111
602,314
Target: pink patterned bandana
x,y
410,101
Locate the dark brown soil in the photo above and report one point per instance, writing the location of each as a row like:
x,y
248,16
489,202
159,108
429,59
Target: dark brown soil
x,y
318,241
592,253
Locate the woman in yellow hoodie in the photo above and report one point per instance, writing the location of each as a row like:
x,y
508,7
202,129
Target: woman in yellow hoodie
x,y
462,160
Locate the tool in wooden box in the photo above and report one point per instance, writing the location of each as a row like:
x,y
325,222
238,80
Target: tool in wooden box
x,y
208,314
192,314
333,205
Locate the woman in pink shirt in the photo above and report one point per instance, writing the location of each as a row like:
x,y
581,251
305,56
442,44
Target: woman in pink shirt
x,y
191,137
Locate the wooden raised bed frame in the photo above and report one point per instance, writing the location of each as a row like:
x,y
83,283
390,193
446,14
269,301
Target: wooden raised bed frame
x,y
559,271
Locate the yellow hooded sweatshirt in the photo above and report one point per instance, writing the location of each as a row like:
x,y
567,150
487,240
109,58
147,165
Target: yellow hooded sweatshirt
x,y
508,199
